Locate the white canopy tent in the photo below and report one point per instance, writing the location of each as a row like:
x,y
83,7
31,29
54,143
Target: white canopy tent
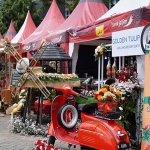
x,y
123,6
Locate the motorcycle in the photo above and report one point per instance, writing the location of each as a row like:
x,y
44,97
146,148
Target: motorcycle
x,y
87,127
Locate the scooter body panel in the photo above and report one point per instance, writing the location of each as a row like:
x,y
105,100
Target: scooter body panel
x,y
95,135
103,132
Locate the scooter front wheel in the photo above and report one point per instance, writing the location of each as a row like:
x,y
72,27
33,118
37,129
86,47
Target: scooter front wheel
x,y
67,116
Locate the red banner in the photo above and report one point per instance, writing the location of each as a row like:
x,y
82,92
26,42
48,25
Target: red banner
x,y
104,28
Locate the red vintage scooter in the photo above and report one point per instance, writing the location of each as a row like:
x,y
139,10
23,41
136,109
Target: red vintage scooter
x,y
94,131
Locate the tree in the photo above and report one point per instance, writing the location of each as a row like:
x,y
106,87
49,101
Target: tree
x,y
16,10
46,4
70,4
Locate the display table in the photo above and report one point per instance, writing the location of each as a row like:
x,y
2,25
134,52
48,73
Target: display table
x,y
31,84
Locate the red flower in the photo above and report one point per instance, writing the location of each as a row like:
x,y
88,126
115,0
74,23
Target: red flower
x,y
101,93
128,67
118,102
110,98
95,96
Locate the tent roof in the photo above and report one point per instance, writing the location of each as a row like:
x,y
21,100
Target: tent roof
x,y
124,6
124,15
11,32
27,28
85,12
54,52
52,20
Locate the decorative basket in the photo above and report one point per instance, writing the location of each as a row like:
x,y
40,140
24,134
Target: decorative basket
x,y
106,107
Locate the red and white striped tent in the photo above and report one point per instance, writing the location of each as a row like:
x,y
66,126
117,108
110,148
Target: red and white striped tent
x,y
11,32
85,12
52,20
26,30
126,14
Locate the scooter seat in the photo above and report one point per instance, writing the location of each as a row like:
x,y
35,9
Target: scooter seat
x,y
88,108
108,116
92,108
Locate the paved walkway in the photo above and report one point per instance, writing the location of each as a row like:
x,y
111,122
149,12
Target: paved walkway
x,y
11,141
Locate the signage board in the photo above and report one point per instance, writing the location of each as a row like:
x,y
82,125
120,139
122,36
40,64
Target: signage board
x,y
127,42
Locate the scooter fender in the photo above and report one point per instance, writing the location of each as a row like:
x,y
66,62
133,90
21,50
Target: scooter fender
x,y
95,135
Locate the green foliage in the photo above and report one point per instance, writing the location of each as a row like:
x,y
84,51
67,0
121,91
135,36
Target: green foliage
x,y
71,6
128,110
46,5
16,10
81,100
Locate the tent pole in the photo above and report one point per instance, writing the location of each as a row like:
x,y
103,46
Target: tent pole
x,y
99,73
102,74
119,63
123,62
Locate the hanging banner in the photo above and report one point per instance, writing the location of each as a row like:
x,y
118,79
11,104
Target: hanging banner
x,y
127,42
145,38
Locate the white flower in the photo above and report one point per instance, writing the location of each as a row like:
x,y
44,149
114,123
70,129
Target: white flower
x,y
122,98
120,118
98,49
120,108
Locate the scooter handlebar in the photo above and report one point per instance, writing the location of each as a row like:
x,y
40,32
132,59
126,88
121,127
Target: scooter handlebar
x,y
67,89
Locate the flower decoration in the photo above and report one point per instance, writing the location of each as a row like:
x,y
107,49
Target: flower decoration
x,y
127,88
126,73
29,127
43,145
130,92
53,77
100,50
107,98
108,94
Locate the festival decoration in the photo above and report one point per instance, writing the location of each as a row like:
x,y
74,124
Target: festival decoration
x,y
107,98
30,126
130,89
53,77
17,107
100,51
114,68
42,145
127,73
